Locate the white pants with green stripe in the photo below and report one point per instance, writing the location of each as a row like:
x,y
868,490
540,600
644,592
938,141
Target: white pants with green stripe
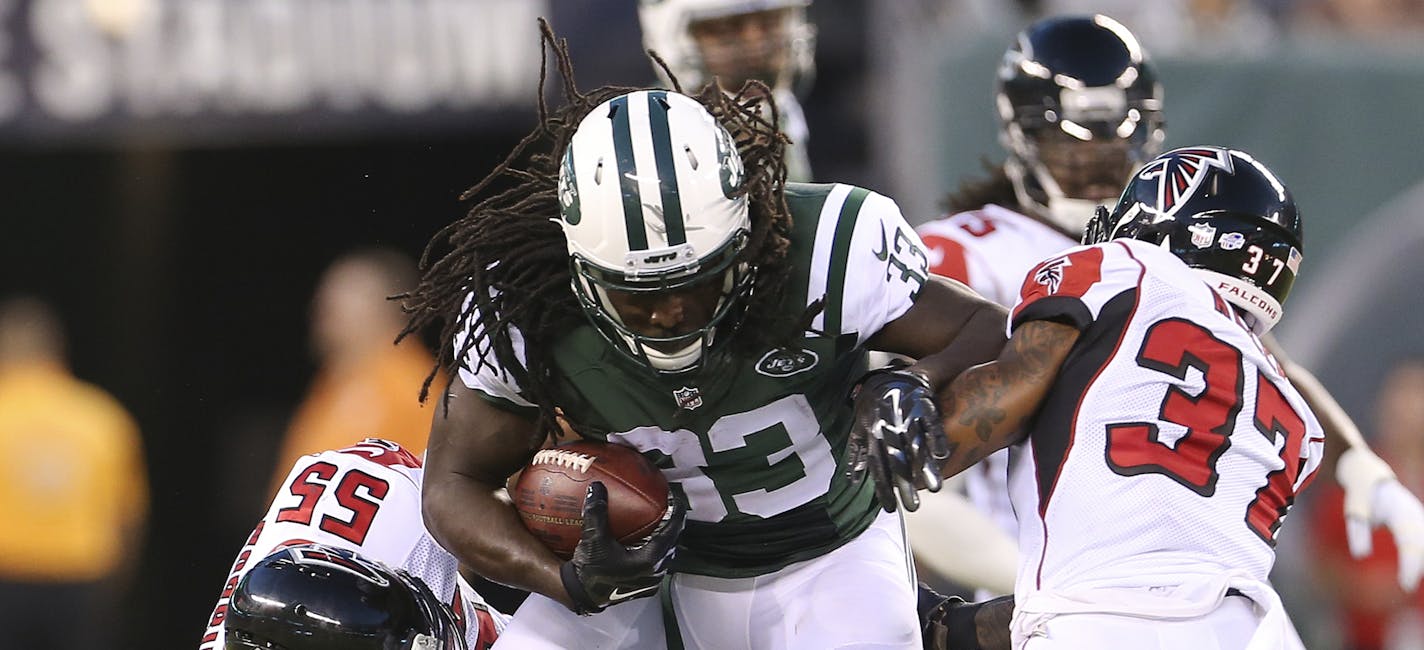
x,y
862,595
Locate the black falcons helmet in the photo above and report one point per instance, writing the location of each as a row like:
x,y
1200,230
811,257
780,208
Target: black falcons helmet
x,y
1221,212
1079,109
315,597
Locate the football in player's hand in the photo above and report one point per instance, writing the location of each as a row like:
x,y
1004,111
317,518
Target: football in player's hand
x,y
550,492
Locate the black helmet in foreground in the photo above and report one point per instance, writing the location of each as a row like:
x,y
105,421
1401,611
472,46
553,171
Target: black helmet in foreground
x,y
1223,213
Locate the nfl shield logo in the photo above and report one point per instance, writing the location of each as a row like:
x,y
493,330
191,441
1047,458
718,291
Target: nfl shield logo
x,y
688,398
1203,234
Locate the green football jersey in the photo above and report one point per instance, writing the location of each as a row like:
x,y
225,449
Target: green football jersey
x,y
755,446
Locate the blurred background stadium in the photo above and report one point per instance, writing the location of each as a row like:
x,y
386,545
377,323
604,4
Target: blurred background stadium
x,y
175,175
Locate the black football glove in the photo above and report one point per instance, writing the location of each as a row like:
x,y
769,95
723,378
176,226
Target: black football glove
x,y
604,572
950,623
898,436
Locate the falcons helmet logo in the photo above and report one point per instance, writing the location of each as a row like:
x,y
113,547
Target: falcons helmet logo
x,y
338,559
1181,172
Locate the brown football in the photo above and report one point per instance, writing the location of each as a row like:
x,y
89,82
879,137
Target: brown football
x,y
550,492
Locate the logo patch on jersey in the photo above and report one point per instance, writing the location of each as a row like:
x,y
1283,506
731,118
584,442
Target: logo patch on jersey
x,y
1180,174
784,362
1203,234
1232,241
688,397
1051,274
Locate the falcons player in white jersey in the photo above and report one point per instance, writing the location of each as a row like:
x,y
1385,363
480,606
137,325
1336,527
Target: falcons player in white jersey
x,y
1162,444
1036,204
1080,109
365,498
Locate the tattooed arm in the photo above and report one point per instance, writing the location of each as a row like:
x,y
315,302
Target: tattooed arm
x,y
986,407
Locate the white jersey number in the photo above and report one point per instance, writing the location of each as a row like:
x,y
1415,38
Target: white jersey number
x,y
799,472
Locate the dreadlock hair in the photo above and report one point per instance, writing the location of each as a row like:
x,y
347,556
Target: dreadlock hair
x,y
976,193
506,260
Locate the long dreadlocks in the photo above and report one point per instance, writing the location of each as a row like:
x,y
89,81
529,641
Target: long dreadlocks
x,y
506,260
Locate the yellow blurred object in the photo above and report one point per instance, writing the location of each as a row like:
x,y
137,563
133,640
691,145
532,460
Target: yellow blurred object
x,y
72,477
118,18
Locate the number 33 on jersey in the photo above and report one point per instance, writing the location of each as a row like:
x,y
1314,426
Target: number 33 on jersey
x,y
1169,426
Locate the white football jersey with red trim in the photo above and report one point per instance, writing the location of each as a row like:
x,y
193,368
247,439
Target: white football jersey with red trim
x,y
365,498
990,249
1171,440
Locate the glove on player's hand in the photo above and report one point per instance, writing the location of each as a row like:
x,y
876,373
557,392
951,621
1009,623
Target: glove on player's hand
x,y
603,571
898,436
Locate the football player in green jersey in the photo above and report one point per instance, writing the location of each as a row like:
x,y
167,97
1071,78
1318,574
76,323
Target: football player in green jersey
x,y
647,276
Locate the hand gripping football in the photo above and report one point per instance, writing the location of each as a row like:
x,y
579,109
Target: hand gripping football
x,y
550,492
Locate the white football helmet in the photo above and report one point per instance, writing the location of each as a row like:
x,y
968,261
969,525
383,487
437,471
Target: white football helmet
x,y
651,200
665,31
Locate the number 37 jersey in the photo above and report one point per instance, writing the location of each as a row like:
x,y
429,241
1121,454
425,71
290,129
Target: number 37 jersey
x,y
1170,442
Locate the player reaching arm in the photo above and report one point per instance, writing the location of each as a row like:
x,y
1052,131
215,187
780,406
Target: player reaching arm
x,y
1373,495
1068,90
1152,414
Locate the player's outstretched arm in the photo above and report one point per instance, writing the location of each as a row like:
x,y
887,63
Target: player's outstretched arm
x,y
474,446
949,329
987,407
1373,496
905,440
896,436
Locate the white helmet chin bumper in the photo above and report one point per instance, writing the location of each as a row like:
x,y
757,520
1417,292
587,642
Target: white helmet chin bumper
x,y
1262,310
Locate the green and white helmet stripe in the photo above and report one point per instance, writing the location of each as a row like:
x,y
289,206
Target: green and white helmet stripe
x,y
628,174
674,214
667,169
674,167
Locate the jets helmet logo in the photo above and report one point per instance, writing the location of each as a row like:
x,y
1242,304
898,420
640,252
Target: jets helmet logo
x,y
568,190
1181,172
730,163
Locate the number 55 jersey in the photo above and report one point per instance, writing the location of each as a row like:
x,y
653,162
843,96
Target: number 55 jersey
x,y
1171,442
365,498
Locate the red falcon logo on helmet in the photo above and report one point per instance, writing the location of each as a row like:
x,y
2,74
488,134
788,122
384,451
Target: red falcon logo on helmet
x,y
338,559
1179,173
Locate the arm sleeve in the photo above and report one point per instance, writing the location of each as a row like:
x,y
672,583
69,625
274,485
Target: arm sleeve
x,y
482,373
